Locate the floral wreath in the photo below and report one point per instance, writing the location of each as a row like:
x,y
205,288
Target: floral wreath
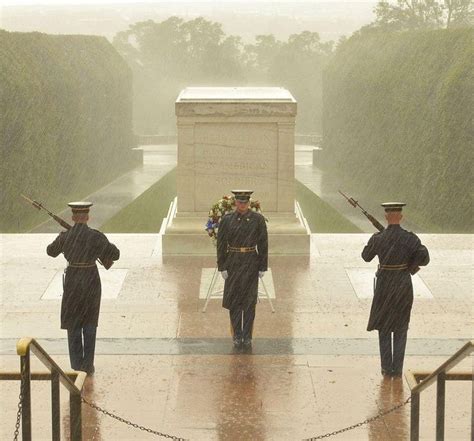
x,y
221,208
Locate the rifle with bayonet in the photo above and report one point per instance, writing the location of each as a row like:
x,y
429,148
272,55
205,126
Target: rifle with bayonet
x,y
373,221
371,218
39,206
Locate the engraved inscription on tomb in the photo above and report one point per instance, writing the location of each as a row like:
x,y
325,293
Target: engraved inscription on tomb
x,y
235,155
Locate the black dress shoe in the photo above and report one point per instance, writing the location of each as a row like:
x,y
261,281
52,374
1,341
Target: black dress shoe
x,y
247,343
237,342
88,370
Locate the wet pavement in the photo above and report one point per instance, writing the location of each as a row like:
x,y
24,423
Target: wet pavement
x,y
164,364
157,161
109,200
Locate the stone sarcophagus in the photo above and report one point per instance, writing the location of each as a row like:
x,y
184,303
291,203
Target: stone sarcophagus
x,y
235,137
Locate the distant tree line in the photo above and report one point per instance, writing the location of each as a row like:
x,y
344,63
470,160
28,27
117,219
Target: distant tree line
x,y
423,14
168,56
397,95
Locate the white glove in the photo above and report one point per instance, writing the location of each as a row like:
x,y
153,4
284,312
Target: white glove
x,y
261,274
224,274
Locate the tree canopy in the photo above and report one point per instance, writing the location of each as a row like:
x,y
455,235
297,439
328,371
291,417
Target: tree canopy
x,y
423,14
172,54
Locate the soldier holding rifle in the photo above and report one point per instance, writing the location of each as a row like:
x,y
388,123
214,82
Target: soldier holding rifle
x,y
400,254
80,305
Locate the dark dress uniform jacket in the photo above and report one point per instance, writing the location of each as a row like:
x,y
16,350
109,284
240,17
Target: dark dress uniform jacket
x,y
82,289
393,296
247,230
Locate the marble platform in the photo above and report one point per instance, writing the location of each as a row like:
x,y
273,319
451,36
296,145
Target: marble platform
x,y
184,233
164,364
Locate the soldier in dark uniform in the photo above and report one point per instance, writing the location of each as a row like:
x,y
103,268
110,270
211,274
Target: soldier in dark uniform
x,y
80,305
399,252
242,257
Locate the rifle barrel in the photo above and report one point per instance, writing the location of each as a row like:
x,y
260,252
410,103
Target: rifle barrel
x,y
350,200
35,204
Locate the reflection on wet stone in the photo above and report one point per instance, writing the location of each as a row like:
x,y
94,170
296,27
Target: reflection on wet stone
x,y
155,328
162,363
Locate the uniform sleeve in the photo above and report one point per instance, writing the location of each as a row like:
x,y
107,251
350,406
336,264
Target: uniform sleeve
x,y
421,256
262,245
55,248
369,252
222,242
108,251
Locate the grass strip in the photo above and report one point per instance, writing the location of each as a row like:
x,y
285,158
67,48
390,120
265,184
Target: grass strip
x,y
145,214
321,217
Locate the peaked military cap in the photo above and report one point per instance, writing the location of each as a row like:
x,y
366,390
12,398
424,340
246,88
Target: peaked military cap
x,y
242,195
80,207
393,206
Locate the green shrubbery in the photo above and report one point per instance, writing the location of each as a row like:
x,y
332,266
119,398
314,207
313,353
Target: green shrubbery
x,y
397,121
66,120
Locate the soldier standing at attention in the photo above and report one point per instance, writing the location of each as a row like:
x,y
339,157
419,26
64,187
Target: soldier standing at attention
x,y
399,252
80,305
242,257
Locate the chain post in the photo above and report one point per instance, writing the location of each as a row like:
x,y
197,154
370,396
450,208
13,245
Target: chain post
x,y
75,410
26,405
440,405
415,417
55,407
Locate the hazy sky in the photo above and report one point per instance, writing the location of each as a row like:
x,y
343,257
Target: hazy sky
x,y
108,2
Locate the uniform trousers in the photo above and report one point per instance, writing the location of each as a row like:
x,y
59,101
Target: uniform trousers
x,y
81,343
242,322
392,359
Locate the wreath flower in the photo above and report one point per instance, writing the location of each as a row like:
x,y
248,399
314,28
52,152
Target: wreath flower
x,y
221,208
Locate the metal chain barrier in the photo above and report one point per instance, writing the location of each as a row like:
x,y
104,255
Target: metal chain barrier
x,y
177,438
20,407
367,421
130,423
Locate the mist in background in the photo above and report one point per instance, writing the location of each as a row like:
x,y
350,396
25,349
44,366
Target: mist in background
x,y
388,86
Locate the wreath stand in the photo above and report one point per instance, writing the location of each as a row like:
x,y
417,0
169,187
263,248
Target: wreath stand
x,y
212,294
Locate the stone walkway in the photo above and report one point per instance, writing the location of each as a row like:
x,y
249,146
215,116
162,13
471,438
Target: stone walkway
x,y
164,364
109,200
160,159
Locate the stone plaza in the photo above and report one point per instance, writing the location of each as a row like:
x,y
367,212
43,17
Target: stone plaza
x,y
163,363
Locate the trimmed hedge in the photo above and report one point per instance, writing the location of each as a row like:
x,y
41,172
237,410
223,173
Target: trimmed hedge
x,y
397,121
66,121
